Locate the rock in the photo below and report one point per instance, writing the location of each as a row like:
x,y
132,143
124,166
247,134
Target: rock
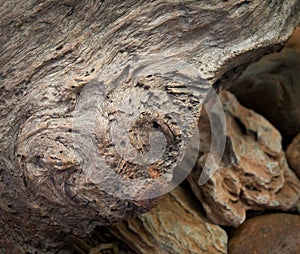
x,y
271,87
175,226
294,41
293,157
267,234
293,154
296,208
253,173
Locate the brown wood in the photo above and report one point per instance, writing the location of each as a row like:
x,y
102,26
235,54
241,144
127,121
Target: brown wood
x,y
52,52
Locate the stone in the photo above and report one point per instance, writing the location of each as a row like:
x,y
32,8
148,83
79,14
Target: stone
x,y
294,41
296,208
175,226
271,87
253,173
267,234
293,154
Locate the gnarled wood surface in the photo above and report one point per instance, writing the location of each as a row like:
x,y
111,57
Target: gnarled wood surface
x,y
53,52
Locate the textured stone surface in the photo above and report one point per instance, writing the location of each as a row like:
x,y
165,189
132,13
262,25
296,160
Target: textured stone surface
x,y
253,173
175,226
296,208
267,234
294,40
293,154
271,87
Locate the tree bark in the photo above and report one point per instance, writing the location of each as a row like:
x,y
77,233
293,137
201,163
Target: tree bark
x,y
75,74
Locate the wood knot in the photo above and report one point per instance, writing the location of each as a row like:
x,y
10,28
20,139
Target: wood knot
x,y
45,148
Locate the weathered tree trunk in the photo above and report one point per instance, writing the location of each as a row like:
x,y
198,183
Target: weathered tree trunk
x,y
78,77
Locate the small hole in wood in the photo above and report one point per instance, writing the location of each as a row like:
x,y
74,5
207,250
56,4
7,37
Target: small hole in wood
x,y
155,125
59,47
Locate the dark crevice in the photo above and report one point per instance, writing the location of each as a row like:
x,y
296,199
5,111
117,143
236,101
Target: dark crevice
x,y
241,126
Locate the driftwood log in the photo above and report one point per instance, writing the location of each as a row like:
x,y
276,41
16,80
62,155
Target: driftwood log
x,y
88,89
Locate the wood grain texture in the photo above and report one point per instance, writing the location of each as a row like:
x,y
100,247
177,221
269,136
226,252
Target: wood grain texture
x,y
51,50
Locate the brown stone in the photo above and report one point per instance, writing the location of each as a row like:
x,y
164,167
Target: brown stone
x,y
296,208
293,154
271,87
294,40
175,226
267,234
253,173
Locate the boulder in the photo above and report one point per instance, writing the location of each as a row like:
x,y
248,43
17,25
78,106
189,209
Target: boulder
x,y
253,173
267,234
176,226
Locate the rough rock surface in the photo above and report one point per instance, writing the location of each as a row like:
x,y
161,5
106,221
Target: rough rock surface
x,y
293,154
296,208
267,234
253,173
271,87
175,226
294,40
